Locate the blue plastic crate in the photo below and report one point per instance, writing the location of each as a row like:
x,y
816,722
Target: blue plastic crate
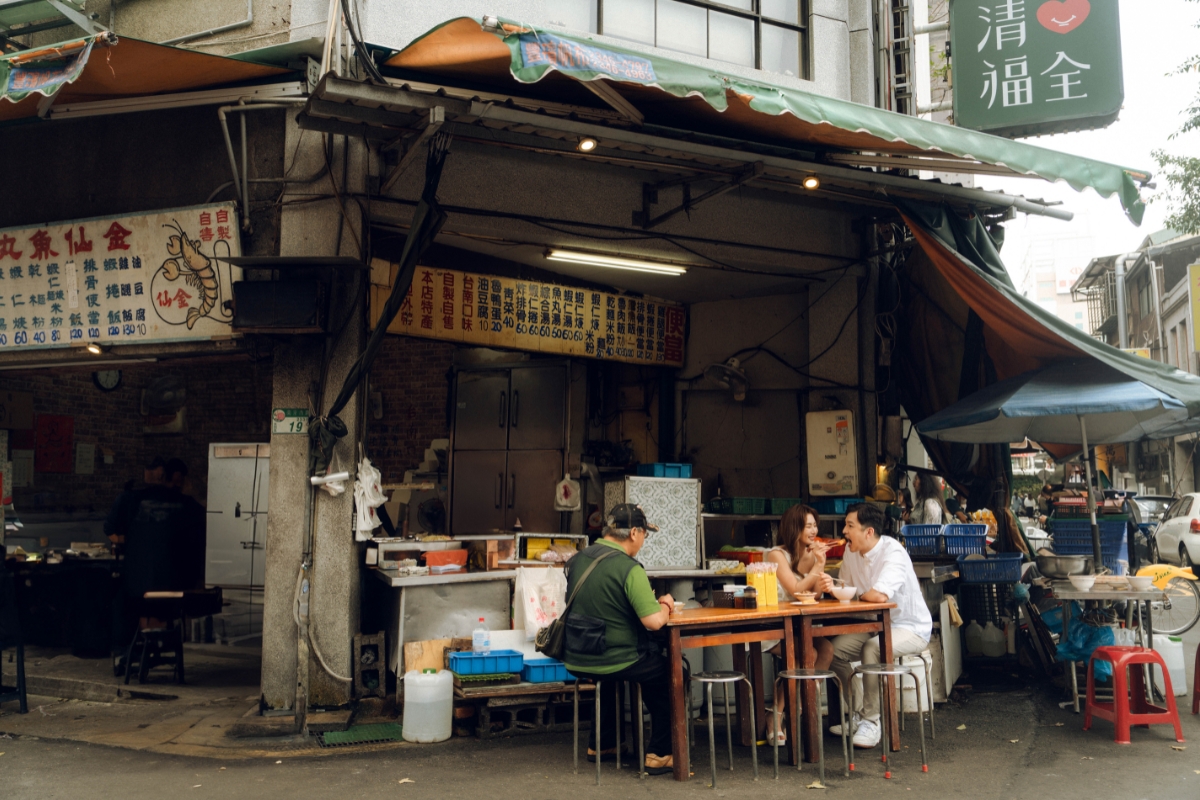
x,y
545,670
1074,537
963,539
664,470
494,663
834,505
996,568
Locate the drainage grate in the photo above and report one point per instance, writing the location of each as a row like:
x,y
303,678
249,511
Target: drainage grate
x,y
362,734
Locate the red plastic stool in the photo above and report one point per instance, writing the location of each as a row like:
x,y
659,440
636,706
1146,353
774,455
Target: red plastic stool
x,y
1129,707
1196,684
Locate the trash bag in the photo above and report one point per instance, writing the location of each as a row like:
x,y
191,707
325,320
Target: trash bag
x,y
1082,640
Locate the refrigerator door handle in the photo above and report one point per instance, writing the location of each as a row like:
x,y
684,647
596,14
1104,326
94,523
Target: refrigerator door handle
x,y
503,403
499,496
512,489
516,407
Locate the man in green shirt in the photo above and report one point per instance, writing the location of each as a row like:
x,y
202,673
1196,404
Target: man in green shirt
x,y
608,632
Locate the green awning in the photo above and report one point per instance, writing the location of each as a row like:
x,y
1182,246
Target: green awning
x,y
679,95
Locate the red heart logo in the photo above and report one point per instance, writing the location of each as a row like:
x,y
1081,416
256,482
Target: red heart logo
x,y
1063,16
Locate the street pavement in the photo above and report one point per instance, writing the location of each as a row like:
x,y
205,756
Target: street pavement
x,y
1016,744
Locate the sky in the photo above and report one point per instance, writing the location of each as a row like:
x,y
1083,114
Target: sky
x,y
1156,36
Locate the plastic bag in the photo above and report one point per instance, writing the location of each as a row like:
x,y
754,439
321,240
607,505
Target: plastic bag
x,y
368,496
1081,641
538,598
566,495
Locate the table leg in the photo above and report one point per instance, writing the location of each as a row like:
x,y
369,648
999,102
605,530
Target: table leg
x,y
789,662
1072,680
759,719
679,708
745,737
890,682
811,705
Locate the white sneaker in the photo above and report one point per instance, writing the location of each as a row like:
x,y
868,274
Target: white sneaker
x,y
867,735
855,719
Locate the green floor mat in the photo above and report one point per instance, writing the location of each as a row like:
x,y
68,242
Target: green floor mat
x,y
362,734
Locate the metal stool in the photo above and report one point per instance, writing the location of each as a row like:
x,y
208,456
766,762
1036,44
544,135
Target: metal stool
x,y
641,728
725,677
925,665
813,675
880,671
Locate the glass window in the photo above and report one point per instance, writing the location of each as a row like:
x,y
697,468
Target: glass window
x,y
1079,315
682,27
576,15
731,38
630,19
781,48
782,10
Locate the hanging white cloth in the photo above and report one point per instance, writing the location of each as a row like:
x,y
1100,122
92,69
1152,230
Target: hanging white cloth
x,y
368,496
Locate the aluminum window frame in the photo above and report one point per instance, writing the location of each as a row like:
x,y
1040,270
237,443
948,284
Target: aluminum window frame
x,y
755,15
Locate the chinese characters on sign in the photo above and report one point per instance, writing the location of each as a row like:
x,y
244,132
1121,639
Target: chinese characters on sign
x,y
1026,67
537,316
140,278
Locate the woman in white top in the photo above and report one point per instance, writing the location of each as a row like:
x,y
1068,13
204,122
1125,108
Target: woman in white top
x,y
929,507
800,561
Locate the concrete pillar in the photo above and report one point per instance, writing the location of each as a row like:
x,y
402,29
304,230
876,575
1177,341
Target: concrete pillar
x,y
307,230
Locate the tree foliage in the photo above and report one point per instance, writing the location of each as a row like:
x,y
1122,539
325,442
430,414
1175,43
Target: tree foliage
x,y
1182,173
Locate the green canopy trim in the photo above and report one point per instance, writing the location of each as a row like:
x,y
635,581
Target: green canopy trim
x,y
677,94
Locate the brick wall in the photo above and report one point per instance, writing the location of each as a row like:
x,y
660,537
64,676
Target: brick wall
x,y
227,401
411,375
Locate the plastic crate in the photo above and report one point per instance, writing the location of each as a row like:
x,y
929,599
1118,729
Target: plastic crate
x,y
664,470
923,544
984,602
1073,537
495,662
545,670
747,505
834,505
997,568
718,505
778,505
963,539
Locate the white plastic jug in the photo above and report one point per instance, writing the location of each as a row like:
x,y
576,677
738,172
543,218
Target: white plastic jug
x,y
994,642
1171,650
974,637
428,706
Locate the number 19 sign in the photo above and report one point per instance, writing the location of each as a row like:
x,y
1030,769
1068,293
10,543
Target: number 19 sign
x,y
118,280
1030,67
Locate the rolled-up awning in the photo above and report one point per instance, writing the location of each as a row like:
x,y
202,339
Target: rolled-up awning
x,y
663,91
103,67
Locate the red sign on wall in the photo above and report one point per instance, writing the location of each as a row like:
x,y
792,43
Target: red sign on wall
x,y
54,443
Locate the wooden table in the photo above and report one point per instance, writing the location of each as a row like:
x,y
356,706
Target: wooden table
x,y
827,619
711,627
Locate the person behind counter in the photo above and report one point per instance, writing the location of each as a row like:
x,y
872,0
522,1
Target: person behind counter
x,y
930,505
608,633
879,567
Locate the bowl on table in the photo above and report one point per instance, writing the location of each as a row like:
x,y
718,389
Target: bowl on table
x,y
1144,583
844,593
1082,583
805,598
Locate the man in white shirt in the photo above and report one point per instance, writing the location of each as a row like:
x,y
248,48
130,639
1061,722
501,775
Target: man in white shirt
x,y
879,567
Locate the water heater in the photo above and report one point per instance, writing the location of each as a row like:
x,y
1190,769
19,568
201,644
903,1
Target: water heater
x,y
832,453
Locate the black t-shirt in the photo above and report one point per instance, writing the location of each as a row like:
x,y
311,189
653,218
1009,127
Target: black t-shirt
x,y
164,540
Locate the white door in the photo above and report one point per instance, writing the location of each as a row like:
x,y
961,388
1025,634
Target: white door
x,y
237,518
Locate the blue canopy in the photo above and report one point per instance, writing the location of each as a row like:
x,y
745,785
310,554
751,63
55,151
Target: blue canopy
x,y
1049,405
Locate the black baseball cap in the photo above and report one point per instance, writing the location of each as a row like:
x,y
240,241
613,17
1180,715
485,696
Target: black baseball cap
x,y
626,516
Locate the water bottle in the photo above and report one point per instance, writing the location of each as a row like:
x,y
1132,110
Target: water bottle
x,y
481,639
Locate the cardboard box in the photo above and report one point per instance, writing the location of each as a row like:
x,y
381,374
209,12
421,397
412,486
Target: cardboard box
x,y
16,411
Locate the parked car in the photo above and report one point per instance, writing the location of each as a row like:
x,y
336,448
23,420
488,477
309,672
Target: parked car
x,y
1176,540
1148,511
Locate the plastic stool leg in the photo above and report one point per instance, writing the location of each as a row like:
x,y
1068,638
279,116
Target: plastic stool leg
x,y
575,733
1170,702
820,744
884,723
754,730
712,737
921,721
775,738
641,734
728,725
620,721
1091,692
596,729
1121,703
848,764
929,694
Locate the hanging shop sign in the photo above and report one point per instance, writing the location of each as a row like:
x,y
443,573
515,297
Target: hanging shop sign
x,y
134,279
1030,67
537,316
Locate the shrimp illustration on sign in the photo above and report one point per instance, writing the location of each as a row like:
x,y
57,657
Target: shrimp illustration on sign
x,y
197,271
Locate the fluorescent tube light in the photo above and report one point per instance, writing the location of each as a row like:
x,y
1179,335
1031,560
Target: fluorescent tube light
x,y
615,262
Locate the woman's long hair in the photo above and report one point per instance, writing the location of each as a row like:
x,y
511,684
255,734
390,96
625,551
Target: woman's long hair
x,y
790,528
930,488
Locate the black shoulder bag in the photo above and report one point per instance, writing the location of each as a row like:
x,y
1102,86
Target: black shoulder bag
x,y
552,640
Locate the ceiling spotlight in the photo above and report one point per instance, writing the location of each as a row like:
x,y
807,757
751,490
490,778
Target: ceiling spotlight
x,y
811,182
615,262
94,349
586,145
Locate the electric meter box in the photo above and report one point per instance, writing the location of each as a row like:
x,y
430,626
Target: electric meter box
x,y
832,453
